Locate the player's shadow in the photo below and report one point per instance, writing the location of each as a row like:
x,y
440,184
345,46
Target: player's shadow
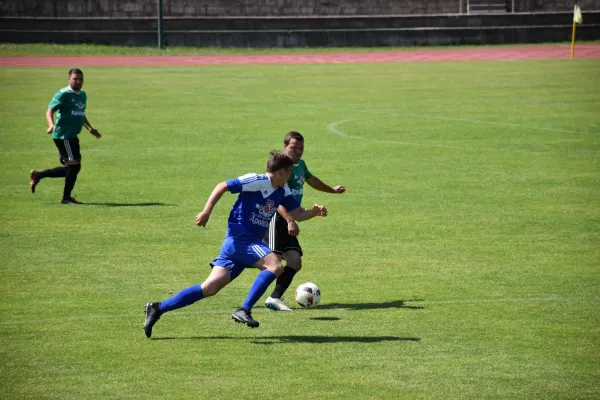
x,y
330,339
325,318
369,306
129,204
300,339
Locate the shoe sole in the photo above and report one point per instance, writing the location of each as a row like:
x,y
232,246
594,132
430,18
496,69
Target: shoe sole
x,y
274,308
148,331
71,202
238,321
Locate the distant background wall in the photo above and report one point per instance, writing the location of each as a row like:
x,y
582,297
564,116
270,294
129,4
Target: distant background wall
x,y
197,8
295,23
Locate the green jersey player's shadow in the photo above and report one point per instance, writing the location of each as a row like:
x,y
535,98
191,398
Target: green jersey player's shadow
x,y
130,204
330,339
299,339
369,306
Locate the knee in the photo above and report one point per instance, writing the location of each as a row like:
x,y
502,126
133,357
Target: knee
x,y
74,167
212,287
294,262
210,290
278,269
295,265
275,267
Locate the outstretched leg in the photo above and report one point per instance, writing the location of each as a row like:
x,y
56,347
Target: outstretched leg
x,y
36,176
218,279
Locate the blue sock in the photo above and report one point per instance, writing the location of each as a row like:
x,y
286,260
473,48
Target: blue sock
x,y
184,298
259,287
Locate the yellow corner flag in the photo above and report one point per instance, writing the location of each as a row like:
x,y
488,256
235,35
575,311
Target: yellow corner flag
x,y
577,15
577,19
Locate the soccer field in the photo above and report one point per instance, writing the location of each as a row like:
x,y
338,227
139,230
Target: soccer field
x,y
461,263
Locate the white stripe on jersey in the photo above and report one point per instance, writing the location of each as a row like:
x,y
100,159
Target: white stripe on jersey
x,y
248,178
257,183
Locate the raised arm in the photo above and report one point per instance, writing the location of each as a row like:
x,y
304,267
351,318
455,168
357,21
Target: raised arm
x,y
88,126
321,186
202,218
304,214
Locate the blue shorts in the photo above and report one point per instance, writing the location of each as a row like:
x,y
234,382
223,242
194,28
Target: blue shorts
x,y
239,253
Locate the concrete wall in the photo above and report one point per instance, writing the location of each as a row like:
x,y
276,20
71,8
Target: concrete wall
x,y
193,8
305,31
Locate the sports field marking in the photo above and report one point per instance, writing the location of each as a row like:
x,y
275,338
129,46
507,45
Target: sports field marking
x,y
108,148
187,314
408,115
333,128
510,300
506,124
442,118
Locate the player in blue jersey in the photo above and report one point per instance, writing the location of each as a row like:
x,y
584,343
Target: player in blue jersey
x,y
259,196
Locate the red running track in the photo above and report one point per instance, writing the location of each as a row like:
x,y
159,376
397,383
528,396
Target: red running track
x,y
434,55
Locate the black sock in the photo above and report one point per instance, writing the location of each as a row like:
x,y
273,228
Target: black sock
x,y
72,171
58,172
283,282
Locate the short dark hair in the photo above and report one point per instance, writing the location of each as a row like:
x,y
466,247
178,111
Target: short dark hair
x,y
279,160
75,71
292,135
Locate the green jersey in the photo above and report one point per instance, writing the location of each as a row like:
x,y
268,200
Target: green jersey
x,y
70,110
300,173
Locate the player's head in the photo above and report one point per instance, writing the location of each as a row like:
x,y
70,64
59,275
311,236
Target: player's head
x,y
75,78
279,167
293,146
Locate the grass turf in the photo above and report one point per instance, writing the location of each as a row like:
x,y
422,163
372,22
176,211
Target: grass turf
x,y
461,263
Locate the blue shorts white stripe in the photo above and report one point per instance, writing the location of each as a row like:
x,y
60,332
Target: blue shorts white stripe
x,y
238,253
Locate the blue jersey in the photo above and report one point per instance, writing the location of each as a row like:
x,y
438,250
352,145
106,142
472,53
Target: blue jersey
x,y
257,202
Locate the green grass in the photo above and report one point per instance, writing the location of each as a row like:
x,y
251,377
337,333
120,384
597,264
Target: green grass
x,y
462,263
39,49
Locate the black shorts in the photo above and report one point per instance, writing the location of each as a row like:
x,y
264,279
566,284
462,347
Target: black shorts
x,y
68,150
280,240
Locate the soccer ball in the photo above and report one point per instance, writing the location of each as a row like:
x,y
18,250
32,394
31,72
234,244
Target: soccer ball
x,y
308,294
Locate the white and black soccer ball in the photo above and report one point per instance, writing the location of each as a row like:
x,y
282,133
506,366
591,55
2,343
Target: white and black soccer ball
x,y
308,294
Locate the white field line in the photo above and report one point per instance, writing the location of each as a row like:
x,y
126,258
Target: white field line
x,y
52,150
333,128
513,300
186,314
414,115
